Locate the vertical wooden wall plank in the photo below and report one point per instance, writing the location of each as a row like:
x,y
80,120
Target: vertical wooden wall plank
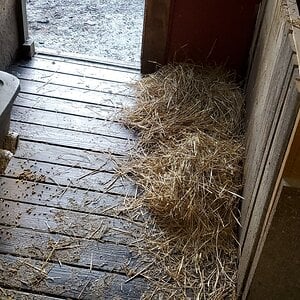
x,y
273,103
256,36
264,115
274,160
262,93
274,65
291,174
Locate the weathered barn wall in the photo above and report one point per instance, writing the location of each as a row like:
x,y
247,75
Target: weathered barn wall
x,y
9,40
272,107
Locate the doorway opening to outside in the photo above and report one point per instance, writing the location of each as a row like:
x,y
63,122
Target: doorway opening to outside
x,y
106,29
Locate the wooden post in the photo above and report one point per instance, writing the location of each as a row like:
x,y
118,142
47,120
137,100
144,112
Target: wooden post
x,y
156,26
26,44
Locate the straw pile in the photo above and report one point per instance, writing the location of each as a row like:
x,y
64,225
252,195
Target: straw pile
x,y
189,164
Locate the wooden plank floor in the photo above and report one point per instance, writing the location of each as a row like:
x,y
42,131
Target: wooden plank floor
x,y
61,234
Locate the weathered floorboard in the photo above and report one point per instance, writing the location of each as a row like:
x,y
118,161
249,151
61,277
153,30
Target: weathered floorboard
x,y
69,138
101,181
73,81
65,121
71,107
75,94
65,232
68,250
61,197
68,223
68,157
80,70
84,60
66,281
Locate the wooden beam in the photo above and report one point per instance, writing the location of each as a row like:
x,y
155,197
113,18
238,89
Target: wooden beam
x,y
26,44
155,34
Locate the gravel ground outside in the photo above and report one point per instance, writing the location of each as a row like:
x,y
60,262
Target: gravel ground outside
x,y
109,29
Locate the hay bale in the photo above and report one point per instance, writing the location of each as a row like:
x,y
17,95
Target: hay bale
x,y
189,164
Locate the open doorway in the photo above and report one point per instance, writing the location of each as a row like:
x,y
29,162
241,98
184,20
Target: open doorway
x,y
107,29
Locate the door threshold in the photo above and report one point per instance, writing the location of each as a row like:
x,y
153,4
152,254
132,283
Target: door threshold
x,y
135,66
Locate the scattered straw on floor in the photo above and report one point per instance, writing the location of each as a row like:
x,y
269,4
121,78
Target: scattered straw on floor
x,y
189,164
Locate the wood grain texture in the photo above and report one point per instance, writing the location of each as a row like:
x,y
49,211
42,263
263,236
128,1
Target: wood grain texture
x,y
70,122
68,223
66,281
68,138
272,62
273,104
68,157
155,35
281,182
70,251
65,233
270,171
264,116
65,67
82,82
257,31
87,60
60,175
68,198
262,65
75,94
71,107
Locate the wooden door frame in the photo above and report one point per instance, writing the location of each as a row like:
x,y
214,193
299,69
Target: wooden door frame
x,y
155,34
154,40
26,44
